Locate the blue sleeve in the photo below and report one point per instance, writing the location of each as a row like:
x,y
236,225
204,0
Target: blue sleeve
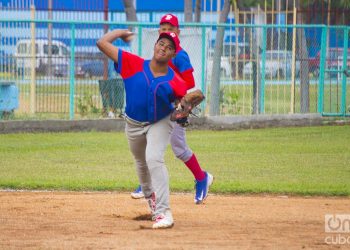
x,y
182,61
118,66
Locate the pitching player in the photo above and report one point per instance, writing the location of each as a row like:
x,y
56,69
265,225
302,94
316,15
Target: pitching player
x,y
181,64
151,87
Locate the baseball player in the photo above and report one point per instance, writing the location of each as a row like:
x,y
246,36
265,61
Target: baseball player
x,y
151,87
181,64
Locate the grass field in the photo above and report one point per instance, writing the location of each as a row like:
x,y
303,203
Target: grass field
x,y
304,161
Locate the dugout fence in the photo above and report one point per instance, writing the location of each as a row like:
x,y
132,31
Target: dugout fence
x,y
264,69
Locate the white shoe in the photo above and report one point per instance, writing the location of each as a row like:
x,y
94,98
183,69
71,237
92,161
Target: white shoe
x,y
137,194
164,220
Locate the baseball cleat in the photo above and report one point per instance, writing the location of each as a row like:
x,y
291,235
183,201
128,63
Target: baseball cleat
x,y
164,220
202,188
137,194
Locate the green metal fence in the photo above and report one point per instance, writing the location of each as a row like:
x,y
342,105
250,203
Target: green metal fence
x,y
265,69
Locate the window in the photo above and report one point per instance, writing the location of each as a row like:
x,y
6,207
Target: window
x,y
54,49
22,49
25,48
64,51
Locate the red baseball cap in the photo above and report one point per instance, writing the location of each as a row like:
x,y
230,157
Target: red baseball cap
x,y
172,37
170,18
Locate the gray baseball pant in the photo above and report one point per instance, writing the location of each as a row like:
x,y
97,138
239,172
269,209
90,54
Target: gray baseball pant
x,y
179,144
148,145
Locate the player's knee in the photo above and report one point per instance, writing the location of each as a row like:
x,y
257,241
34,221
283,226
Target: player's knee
x,y
154,161
178,151
182,155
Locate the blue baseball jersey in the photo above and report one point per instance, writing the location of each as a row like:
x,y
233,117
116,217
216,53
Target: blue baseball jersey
x,y
181,64
148,98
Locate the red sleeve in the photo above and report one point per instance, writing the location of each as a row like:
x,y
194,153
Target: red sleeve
x,y
188,78
129,64
179,86
186,75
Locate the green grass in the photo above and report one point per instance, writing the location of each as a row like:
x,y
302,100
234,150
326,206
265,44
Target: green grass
x,y
304,161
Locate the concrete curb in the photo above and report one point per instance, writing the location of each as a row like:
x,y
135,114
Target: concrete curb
x,y
258,121
61,126
213,123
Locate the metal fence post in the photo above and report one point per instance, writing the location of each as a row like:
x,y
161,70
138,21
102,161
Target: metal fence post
x,y
345,68
203,85
72,74
139,51
32,62
262,82
292,85
322,70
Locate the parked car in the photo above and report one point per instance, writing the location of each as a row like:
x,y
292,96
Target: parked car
x,y
277,64
59,56
228,59
334,60
243,49
60,70
225,67
94,68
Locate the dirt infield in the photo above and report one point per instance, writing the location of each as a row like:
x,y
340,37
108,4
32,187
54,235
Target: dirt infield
x,y
111,220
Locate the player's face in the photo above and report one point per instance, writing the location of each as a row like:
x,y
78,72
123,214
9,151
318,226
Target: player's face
x,y
167,27
164,50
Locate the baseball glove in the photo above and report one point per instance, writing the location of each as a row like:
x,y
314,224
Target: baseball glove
x,y
185,106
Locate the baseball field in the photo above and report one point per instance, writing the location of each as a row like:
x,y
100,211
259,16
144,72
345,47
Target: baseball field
x,y
274,189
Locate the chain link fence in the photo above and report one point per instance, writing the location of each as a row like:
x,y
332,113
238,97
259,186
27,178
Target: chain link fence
x,y
55,70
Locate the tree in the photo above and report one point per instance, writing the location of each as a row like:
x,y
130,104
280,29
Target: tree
x,y
214,108
215,80
188,11
197,11
130,11
304,65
